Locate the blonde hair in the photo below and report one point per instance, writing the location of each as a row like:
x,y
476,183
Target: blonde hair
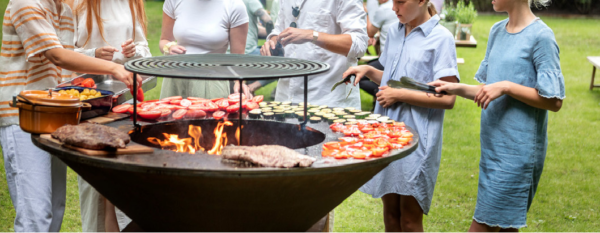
x,y
539,3
431,8
92,8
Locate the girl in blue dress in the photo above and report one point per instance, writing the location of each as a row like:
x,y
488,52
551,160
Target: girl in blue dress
x,y
521,80
420,48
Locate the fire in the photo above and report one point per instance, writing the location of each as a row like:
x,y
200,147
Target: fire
x,y
192,145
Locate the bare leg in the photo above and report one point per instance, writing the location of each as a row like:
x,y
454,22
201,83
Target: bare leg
x,y
411,219
509,230
110,217
480,227
391,212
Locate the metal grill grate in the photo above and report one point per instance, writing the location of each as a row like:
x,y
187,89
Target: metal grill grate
x,y
225,67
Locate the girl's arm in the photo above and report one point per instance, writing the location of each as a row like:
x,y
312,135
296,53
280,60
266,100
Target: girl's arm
x,y
527,95
387,96
463,90
237,38
167,36
364,71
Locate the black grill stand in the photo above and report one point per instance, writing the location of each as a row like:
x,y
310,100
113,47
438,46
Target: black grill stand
x,y
224,67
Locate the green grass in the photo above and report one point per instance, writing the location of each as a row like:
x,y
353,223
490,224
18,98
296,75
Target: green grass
x,y
568,197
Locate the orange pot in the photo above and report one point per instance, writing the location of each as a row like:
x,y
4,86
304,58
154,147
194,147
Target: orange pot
x,y
41,113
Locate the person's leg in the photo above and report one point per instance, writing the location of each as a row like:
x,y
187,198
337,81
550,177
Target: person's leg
x,y
110,218
59,192
391,212
29,174
480,227
411,219
91,204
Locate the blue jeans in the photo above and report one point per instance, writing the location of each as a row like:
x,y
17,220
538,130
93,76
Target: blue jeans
x,y
36,182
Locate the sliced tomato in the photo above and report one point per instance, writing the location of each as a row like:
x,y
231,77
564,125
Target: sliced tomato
x,y
395,134
342,155
352,132
197,99
179,114
185,103
175,102
331,145
121,108
147,106
361,154
216,100
236,96
150,115
172,98
366,129
250,105
329,153
140,94
258,99
88,82
130,110
223,104
378,151
233,108
233,101
218,115
195,113
165,112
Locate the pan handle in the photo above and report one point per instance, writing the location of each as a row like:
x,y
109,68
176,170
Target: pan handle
x,y
86,106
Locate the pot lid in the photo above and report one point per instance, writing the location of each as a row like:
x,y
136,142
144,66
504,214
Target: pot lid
x,y
44,98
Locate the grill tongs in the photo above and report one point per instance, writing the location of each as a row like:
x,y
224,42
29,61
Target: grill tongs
x,y
409,83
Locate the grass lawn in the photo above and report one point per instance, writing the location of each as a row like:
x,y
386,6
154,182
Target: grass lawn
x,y
568,195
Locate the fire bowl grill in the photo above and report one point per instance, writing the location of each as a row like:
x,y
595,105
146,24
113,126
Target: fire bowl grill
x,y
170,191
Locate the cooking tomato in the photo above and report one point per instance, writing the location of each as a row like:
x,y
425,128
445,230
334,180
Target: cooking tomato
x,y
337,127
197,99
361,154
212,107
233,101
329,153
165,112
88,82
233,108
179,114
121,108
250,105
216,100
378,151
396,146
178,107
173,98
341,155
218,115
366,129
331,145
407,135
140,94
175,102
351,132
147,106
150,115
258,99
382,142
236,96
195,113
223,104
185,103
130,110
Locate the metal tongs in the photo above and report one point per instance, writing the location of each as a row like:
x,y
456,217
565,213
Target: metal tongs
x,y
409,83
346,79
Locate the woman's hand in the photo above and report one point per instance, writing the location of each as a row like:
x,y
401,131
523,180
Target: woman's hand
x,y
245,89
388,96
106,53
128,48
490,92
265,50
177,49
359,71
295,36
448,87
125,76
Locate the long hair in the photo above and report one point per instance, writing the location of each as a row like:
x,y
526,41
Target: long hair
x,y
92,8
431,8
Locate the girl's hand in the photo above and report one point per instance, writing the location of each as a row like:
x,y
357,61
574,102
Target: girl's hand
x,y
245,89
387,96
106,53
450,88
128,48
177,49
359,71
490,92
119,72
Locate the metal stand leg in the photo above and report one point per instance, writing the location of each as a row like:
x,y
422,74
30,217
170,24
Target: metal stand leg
x,y
305,101
136,126
240,113
593,76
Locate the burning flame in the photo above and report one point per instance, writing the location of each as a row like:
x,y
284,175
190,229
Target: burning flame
x,y
192,145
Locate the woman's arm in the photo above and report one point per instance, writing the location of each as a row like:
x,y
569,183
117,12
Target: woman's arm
x,y
388,96
463,90
237,38
527,95
167,36
364,71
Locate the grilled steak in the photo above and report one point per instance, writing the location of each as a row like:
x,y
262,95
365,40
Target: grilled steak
x,y
91,136
267,156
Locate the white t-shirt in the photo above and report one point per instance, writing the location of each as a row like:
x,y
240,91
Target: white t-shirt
x,y
383,18
118,28
202,26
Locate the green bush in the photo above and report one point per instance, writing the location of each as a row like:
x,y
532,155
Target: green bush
x,y
450,13
465,14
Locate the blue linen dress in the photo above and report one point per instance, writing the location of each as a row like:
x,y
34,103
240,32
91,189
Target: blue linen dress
x,y
513,134
428,53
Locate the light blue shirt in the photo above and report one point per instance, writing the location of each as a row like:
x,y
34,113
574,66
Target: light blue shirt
x,y
426,54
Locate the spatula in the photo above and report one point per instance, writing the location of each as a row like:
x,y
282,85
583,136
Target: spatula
x,y
409,83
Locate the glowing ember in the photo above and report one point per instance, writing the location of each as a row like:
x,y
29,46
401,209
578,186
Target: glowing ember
x,y
192,145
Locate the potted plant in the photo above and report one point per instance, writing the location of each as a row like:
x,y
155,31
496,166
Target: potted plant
x,y
449,21
466,15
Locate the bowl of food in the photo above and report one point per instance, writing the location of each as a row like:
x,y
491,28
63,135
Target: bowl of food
x,y
100,100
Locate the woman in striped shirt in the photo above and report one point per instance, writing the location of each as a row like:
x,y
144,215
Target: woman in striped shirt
x,y
37,53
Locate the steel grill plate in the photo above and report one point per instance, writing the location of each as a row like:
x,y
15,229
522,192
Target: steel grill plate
x,y
225,67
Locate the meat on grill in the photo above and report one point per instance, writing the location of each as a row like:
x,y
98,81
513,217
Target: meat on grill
x,y
92,136
267,156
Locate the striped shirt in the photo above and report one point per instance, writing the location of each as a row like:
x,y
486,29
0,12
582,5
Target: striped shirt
x,y
29,28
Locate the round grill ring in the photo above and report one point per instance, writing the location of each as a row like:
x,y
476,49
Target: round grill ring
x,y
225,67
